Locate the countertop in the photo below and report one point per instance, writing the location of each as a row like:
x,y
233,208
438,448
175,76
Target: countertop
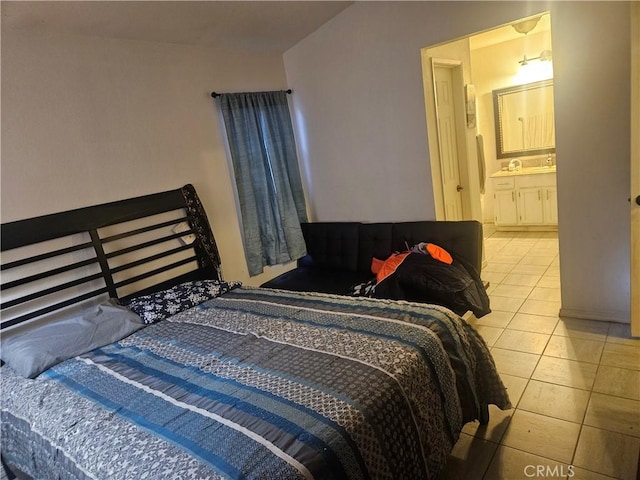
x,y
524,171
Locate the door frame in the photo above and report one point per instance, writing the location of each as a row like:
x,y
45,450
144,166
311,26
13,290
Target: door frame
x,y
635,170
453,67
467,160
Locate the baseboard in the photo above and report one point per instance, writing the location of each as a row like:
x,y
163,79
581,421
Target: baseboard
x,y
618,316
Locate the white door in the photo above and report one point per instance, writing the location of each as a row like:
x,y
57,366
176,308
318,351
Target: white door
x,y
448,142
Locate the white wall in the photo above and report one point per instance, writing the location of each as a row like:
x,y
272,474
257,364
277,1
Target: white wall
x,y
87,120
592,92
360,118
360,104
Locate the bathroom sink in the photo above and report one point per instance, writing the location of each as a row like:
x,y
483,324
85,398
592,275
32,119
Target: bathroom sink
x,y
545,169
525,171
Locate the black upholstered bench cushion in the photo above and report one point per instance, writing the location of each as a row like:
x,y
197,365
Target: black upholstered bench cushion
x,y
462,239
331,245
339,254
375,242
310,279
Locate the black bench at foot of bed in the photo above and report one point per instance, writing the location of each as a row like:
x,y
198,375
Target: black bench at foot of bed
x,y
339,254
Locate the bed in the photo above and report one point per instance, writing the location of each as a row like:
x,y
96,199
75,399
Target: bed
x,y
213,379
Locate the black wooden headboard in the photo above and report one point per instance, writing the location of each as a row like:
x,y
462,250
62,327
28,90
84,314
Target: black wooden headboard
x,y
118,249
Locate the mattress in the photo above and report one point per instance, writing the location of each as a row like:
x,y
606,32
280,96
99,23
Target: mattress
x,y
258,384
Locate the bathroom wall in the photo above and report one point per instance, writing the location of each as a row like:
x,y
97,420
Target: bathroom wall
x,y
493,67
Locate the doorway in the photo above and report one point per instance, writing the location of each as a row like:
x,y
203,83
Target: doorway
x,y
486,61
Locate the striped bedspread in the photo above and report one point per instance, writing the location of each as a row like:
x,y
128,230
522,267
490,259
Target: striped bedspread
x,y
258,384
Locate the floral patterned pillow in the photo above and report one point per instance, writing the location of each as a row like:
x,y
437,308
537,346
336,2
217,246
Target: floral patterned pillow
x,y
158,306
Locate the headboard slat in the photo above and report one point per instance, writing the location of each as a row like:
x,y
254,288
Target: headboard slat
x,y
52,308
138,231
156,271
48,273
142,264
140,246
149,259
49,291
45,256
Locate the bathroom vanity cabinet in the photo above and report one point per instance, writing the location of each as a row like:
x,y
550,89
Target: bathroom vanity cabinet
x,y
525,198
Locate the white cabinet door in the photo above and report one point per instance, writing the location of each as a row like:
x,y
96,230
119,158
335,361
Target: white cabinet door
x,y
504,206
530,206
527,200
550,204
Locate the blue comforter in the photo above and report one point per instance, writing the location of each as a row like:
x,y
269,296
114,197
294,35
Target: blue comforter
x,y
258,384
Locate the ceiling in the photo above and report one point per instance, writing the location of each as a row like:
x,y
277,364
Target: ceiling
x,y
507,33
257,25
273,26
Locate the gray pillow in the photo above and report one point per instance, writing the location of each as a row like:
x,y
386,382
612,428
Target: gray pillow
x,y
32,352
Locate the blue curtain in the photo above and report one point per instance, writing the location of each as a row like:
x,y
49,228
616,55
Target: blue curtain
x,y
265,164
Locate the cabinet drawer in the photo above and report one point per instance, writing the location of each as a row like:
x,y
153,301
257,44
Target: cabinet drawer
x,y
504,183
539,180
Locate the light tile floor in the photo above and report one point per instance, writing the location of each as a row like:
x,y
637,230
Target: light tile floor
x,y
575,384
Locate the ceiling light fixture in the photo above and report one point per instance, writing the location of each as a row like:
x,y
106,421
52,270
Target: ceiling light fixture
x,y
526,25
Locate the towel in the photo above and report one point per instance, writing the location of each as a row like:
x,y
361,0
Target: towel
x,y
481,165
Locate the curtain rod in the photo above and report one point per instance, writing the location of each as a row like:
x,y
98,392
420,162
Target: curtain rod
x,y
215,94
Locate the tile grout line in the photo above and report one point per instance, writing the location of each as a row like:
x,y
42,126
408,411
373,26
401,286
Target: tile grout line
x,y
584,416
504,243
503,250
528,380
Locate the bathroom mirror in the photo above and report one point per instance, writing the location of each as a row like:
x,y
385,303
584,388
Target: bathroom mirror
x,y
524,120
